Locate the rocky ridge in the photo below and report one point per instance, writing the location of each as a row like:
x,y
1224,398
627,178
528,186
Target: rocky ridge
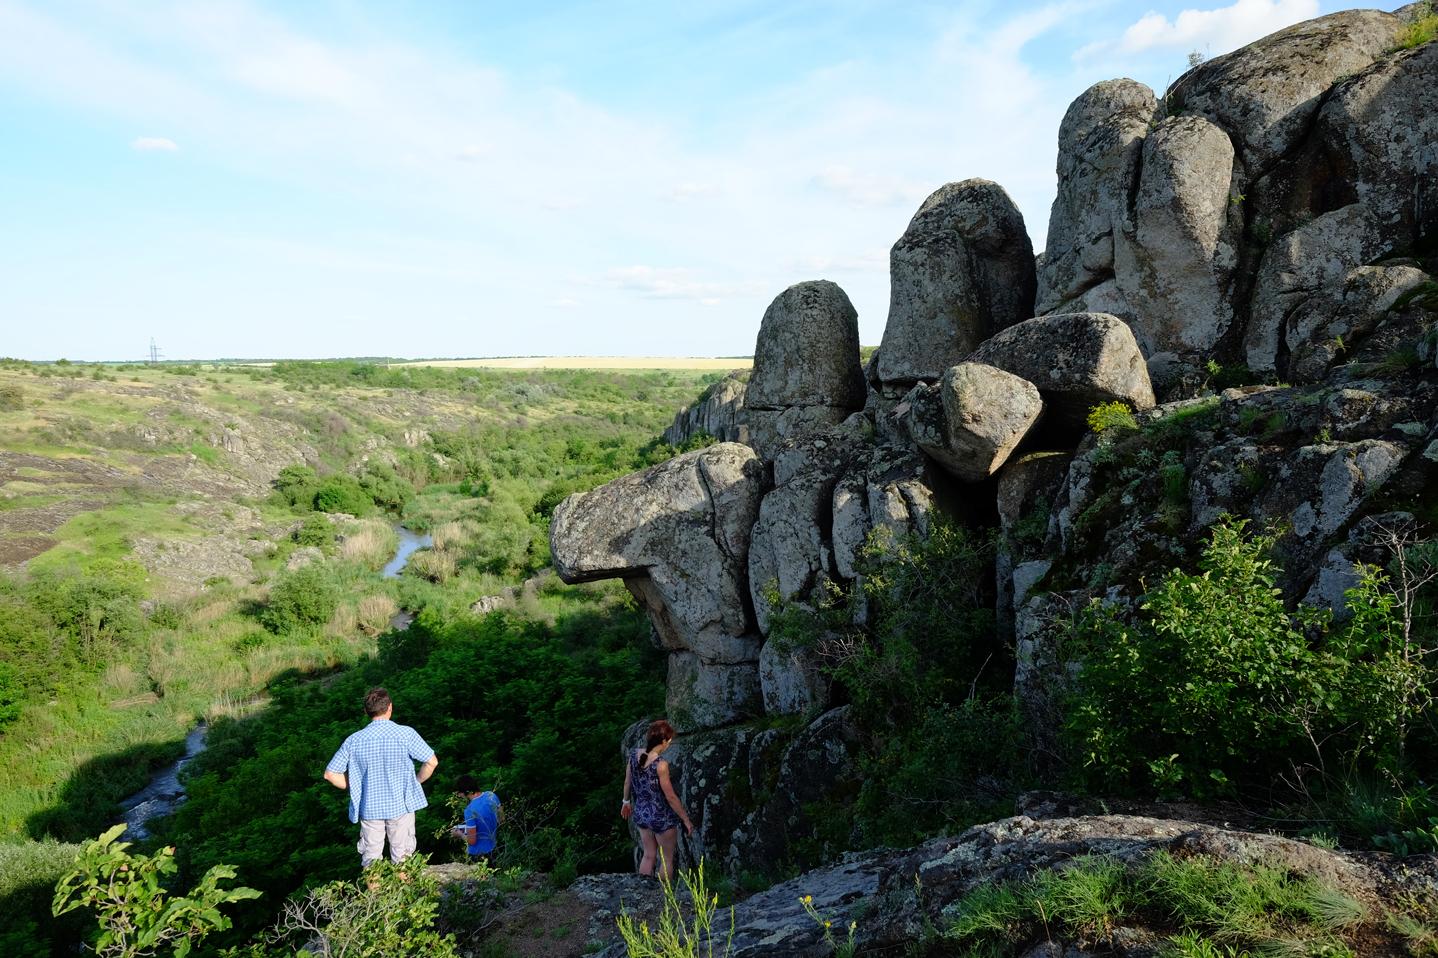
x,y
1269,220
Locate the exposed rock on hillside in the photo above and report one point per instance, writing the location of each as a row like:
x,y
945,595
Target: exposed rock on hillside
x,y
1076,361
893,897
1274,211
718,413
678,534
1100,142
806,365
962,270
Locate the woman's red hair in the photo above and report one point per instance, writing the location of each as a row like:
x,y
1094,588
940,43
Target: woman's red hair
x,y
659,731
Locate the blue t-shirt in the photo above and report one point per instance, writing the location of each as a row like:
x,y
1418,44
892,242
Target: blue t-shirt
x,y
482,815
379,761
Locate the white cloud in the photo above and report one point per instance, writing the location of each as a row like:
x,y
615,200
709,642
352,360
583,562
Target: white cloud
x,y
653,282
683,192
808,174
151,144
1211,32
858,263
563,302
869,189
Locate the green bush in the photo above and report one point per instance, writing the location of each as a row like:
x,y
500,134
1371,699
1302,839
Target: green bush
x,y
296,486
1213,682
390,912
343,493
308,596
12,398
28,873
315,530
1423,29
136,914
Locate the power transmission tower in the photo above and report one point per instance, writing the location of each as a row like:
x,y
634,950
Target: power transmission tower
x,y
155,353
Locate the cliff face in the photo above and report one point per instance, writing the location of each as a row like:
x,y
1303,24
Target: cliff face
x,y
1273,217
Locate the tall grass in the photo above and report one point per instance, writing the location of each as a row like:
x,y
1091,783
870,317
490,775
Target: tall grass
x,y
370,543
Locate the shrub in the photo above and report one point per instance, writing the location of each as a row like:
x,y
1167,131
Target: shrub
x,y
315,530
343,493
12,398
296,485
386,488
308,596
435,565
388,913
1112,415
137,916
28,873
1212,681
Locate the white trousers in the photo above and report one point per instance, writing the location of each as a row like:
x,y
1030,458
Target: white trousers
x,y
374,832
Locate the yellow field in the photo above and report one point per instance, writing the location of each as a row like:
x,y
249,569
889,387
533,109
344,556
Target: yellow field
x,y
593,362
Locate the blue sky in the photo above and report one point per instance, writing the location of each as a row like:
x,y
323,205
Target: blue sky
x,y
309,179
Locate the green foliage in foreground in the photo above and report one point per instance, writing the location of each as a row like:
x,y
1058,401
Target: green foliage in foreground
x,y
928,682
1228,904
686,925
390,912
1213,683
137,915
531,708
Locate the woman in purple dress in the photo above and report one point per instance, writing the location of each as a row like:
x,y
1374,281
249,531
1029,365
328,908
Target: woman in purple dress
x,y
650,800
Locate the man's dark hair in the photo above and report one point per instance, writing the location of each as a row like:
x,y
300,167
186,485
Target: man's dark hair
x,y
377,702
467,785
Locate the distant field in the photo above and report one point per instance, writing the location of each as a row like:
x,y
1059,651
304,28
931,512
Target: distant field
x,y
593,362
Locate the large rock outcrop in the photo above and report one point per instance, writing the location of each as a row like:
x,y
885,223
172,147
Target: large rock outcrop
x,y
916,888
678,534
1077,361
1265,95
718,413
1177,254
1271,219
1380,131
1100,144
806,365
973,418
963,269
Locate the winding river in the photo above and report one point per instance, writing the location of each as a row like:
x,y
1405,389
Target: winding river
x,y
165,793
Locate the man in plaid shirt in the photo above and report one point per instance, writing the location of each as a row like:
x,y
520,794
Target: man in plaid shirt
x,y
376,765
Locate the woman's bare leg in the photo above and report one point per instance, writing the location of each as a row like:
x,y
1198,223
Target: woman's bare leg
x,y
648,843
669,849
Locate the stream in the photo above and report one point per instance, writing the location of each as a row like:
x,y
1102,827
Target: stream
x,y
165,793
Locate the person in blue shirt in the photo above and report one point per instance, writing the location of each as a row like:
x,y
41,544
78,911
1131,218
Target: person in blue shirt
x,y
376,765
482,816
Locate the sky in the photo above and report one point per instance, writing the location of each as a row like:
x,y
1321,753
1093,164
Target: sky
x,y
456,178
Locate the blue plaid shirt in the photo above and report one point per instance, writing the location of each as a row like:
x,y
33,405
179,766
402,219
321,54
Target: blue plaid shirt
x,y
379,762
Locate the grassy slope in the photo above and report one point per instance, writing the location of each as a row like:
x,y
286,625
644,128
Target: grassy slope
x,y
139,455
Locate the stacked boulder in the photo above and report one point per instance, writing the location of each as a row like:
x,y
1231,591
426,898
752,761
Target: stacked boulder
x,y
1272,210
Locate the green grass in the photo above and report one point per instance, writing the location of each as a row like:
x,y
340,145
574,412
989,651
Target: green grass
x,y
1205,908
1420,31
108,533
